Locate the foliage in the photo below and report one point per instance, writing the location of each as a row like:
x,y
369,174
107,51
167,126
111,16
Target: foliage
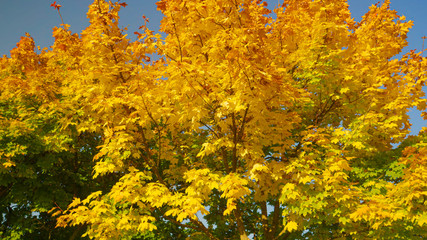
x,y
277,127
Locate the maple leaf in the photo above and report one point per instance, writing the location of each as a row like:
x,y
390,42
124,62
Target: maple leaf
x,y
161,5
291,226
123,4
55,5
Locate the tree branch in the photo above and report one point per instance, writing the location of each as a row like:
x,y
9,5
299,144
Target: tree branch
x,y
240,224
264,220
234,130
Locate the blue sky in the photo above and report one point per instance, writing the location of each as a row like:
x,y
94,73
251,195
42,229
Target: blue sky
x,y
37,18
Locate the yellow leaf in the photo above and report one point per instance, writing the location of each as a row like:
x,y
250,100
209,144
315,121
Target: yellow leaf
x,y
344,90
422,219
8,164
291,226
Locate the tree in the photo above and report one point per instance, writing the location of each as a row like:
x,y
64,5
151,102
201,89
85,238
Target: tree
x,y
272,127
42,165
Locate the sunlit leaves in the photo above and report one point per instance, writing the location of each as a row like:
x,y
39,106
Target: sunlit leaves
x,y
273,126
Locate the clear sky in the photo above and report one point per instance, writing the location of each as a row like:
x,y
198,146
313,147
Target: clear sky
x,y
37,18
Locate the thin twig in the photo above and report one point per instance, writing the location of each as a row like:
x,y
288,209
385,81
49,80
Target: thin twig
x,y
62,20
422,50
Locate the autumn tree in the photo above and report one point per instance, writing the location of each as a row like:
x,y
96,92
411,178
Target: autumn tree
x,y
234,123
42,165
